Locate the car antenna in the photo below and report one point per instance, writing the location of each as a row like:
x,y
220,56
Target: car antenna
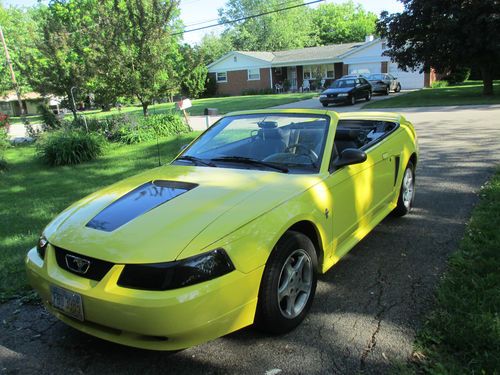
x,y
158,149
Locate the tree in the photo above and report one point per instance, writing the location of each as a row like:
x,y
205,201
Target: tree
x,y
282,30
213,46
342,23
60,58
144,56
445,35
20,31
194,71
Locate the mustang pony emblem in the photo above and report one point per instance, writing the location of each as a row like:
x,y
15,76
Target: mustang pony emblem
x,y
77,264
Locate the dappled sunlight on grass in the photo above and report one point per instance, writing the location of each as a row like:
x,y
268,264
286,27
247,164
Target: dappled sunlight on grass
x,y
31,194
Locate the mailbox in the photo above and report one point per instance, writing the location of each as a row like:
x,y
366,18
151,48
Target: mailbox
x,y
211,111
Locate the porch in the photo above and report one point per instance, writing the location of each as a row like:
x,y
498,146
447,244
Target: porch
x,y
299,78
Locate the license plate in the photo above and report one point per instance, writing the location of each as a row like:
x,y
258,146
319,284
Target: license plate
x,y
67,302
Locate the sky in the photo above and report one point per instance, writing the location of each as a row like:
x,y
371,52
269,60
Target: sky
x,y
196,11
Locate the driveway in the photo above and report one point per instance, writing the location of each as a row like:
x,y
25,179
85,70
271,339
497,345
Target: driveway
x,y
367,308
315,104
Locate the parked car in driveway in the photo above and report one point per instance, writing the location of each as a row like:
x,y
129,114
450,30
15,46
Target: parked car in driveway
x,y
346,90
384,83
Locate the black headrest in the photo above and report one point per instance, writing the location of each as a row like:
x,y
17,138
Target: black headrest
x,y
343,134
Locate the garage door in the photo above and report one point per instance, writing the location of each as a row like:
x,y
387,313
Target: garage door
x,y
408,80
364,68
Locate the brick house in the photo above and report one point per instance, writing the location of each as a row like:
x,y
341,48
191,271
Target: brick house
x,y
240,71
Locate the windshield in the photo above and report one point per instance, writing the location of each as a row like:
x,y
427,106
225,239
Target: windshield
x,y
292,143
375,76
343,83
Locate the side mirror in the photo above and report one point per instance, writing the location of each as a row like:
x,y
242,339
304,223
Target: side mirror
x,y
350,156
183,147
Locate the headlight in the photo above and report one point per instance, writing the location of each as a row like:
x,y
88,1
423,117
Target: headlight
x,y
343,94
41,246
322,96
173,275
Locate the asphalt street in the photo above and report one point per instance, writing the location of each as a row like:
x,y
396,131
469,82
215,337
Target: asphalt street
x,y
367,308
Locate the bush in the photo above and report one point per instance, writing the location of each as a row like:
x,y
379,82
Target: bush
x,y
148,128
257,92
438,84
66,147
458,75
50,120
4,144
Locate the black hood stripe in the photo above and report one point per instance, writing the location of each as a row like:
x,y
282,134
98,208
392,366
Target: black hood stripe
x,y
137,202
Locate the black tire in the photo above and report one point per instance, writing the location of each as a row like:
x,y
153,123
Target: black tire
x,y
387,91
398,88
271,310
405,198
325,104
368,96
352,100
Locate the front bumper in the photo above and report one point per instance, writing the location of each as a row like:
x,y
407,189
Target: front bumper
x,y
335,100
166,320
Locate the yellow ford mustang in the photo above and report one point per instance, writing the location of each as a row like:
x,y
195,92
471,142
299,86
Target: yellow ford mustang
x,y
232,232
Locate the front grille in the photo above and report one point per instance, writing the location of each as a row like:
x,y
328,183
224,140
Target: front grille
x,y
96,269
332,95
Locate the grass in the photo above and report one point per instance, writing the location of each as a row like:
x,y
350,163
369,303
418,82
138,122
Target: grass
x,y
31,194
223,104
468,93
462,334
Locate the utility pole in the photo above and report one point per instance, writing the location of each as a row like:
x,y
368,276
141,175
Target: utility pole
x,y
12,74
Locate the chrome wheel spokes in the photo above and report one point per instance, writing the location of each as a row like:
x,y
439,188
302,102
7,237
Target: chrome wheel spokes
x,y
295,284
408,187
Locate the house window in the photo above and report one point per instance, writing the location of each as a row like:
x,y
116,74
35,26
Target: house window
x,y
329,71
222,77
253,74
307,72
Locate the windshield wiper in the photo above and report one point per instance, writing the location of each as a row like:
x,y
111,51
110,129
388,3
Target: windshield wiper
x,y
196,161
244,160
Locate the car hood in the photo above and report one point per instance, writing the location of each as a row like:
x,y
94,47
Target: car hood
x,y
153,216
338,90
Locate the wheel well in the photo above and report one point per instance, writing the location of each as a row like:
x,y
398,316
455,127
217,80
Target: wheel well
x,y
309,229
413,159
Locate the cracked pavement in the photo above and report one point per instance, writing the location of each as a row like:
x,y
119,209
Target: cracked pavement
x,y
367,308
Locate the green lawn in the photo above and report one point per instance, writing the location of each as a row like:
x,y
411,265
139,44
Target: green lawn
x,y
224,105
468,93
31,194
462,333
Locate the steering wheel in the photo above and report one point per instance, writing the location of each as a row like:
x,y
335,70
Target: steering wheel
x,y
308,152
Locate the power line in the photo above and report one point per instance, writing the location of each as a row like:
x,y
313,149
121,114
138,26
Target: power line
x,y
247,17
216,19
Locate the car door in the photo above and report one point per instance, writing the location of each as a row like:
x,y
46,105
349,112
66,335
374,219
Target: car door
x,y
361,194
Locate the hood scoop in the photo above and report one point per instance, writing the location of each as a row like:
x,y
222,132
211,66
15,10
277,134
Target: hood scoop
x,y
137,202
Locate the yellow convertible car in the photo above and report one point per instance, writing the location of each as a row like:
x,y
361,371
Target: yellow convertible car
x,y
232,232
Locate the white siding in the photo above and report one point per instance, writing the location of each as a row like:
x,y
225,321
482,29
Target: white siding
x,y
242,62
408,80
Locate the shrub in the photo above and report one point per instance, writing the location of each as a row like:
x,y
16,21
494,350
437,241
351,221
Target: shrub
x,y
438,84
257,92
66,147
148,128
50,120
4,144
458,75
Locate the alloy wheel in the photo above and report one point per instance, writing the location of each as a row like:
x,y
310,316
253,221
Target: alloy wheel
x,y
295,283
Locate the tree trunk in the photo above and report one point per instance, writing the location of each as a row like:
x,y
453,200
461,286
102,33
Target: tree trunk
x,y
487,74
145,108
